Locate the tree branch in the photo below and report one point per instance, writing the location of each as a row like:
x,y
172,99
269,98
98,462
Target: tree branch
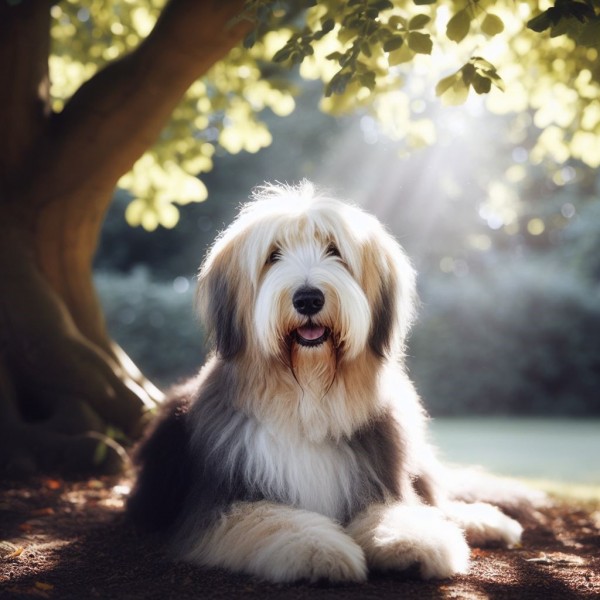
x,y
115,116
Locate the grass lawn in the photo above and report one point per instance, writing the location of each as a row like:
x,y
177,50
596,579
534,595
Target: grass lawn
x,y
561,456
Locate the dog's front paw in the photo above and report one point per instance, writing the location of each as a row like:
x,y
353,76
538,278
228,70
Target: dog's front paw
x,y
325,554
401,537
484,524
280,544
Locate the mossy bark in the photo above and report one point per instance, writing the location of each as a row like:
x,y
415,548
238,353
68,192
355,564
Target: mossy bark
x,y
63,382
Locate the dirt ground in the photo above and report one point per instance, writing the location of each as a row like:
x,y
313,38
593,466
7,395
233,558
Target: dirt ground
x,y
62,540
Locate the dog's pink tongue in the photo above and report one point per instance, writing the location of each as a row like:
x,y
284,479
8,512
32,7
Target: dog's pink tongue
x,y
311,333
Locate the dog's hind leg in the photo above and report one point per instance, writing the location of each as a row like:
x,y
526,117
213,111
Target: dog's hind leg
x,y
279,543
483,523
474,485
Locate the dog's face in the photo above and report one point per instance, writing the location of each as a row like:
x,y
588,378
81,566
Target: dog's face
x,y
306,282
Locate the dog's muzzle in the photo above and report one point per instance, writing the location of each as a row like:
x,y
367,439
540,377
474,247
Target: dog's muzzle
x,y
311,335
308,301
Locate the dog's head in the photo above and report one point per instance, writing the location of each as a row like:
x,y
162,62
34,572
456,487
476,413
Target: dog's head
x,y
299,277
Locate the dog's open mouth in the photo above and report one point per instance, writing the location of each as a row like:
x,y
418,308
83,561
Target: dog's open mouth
x,y
311,335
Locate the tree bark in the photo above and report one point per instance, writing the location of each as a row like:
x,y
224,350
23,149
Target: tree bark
x,y
61,376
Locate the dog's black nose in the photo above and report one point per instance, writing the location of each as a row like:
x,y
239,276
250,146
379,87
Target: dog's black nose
x,y
308,301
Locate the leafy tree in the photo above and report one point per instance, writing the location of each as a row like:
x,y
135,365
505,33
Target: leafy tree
x,y
98,94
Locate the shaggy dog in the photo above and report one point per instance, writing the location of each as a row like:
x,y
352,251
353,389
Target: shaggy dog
x,y
300,450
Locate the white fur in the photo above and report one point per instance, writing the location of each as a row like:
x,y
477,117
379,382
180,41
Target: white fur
x,y
484,523
312,476
402,536
284,419
308,265
280,544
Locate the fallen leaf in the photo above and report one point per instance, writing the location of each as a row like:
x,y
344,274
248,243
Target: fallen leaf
x,y
53,484
42,512
9,550
16,553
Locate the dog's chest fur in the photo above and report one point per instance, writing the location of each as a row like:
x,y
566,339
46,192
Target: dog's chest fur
x,y
322,477
336,478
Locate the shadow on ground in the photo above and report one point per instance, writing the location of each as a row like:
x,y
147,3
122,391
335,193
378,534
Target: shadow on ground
x,y
63,540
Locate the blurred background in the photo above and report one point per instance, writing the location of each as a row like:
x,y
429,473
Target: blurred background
x,y
506,352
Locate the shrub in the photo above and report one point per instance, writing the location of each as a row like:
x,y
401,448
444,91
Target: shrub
x,y
154,322
524,339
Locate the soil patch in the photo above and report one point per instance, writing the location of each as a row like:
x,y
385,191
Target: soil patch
x,y
63,540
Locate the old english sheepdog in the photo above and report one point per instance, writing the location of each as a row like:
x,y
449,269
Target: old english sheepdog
x,y
300,452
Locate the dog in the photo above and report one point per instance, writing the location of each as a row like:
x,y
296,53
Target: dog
x,y
300,451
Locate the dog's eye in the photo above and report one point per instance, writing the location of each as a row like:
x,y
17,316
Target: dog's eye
x,y
274,257
332,250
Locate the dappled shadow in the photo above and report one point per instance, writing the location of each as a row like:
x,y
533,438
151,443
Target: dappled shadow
x,y
533,582
92,552
112,561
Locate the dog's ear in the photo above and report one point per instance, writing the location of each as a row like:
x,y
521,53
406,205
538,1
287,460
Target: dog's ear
x,y
390,283
222,298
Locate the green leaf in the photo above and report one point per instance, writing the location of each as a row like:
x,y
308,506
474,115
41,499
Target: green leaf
x,y
446,83
381,5
468,72
353,22
484,68
481,63
481,84
424,2
327,25
396,21
393,43
381,36
499,83
349,58
283,54
368,80
590,34
296,57
250,39
335,56
569,26
338,83
541,22
456,93
420,42
581,11
495,79
418,21
346,34
458,26
402,55
492,25
100,453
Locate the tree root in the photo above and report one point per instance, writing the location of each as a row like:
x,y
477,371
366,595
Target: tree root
x,y
32,448
65,443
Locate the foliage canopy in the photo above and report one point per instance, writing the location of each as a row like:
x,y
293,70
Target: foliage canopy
x,y
395,58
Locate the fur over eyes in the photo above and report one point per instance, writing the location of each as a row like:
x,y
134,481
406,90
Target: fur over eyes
x,y
300,450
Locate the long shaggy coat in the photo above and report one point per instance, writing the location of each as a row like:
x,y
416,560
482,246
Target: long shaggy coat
x,y
300,449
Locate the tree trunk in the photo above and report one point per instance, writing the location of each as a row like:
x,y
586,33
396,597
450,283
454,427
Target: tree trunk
x,y
64,384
